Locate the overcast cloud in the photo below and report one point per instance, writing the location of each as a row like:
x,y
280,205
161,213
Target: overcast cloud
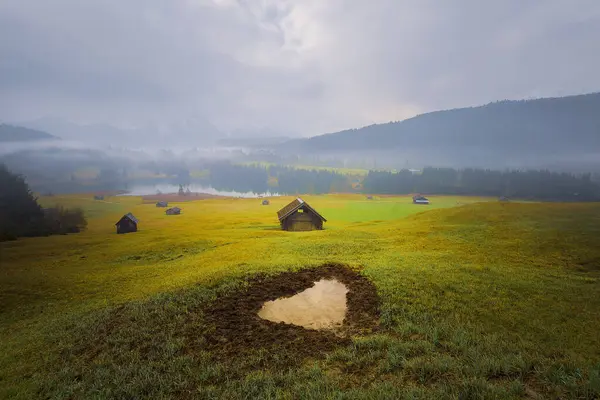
x,y
308,66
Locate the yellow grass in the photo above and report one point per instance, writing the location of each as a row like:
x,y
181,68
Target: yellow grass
x,y
528,273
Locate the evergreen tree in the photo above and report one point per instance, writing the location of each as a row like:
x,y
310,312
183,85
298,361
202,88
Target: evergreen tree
x,y
540,185
20,214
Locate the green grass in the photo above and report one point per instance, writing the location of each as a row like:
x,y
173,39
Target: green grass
x,y
479,300
385,208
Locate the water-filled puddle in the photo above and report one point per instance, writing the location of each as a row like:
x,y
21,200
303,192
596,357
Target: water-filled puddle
x,y
322,306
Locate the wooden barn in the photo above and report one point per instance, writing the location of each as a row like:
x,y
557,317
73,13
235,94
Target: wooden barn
x,y
162,204
299,216
418,199
173,211
127,223
265,202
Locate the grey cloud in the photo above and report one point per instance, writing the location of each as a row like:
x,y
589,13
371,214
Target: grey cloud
x,y
309,66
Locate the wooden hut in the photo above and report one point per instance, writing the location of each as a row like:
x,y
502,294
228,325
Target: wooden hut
x,y
265,202
173,211
162,204
127,223
299,216
418,199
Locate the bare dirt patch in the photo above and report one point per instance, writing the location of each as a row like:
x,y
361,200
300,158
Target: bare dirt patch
x,y
236,331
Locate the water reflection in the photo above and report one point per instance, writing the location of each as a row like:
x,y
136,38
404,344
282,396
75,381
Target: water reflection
x,y
147,190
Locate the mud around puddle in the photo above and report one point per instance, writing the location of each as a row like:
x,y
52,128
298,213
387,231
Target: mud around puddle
x,y
236,329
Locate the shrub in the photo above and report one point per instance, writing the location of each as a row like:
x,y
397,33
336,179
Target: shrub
x,y
60,220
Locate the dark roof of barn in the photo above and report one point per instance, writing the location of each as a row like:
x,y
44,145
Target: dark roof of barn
x,y
295,206
128,216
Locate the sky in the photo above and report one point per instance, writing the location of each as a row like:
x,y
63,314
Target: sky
x,y
302,67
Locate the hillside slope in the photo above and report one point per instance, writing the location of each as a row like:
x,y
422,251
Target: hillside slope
x,y
487,300
10,133
552,127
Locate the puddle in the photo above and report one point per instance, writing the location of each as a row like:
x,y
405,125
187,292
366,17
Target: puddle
x,y
238,333
322,306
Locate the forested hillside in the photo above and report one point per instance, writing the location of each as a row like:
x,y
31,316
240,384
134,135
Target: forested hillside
x,y
563,129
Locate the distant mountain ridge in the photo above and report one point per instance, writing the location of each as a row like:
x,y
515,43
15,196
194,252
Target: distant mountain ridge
x,y
189,132
547,127
11,133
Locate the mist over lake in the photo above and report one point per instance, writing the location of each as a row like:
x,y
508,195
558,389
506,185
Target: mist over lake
x,y
145,190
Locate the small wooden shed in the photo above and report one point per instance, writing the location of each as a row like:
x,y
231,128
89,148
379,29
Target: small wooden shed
x,y
299,216
418,199
162,204
265,202
127,223
173,211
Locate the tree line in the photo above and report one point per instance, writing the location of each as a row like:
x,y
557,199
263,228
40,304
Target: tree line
x,y
285,180
527,184
535,184
292,180
21,215
240,178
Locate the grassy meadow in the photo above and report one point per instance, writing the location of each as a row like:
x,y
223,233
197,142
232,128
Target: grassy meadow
x,y
478,299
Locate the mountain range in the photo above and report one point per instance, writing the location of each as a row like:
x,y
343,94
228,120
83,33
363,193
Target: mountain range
x,y
11,133
188,133
554,133
540,131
